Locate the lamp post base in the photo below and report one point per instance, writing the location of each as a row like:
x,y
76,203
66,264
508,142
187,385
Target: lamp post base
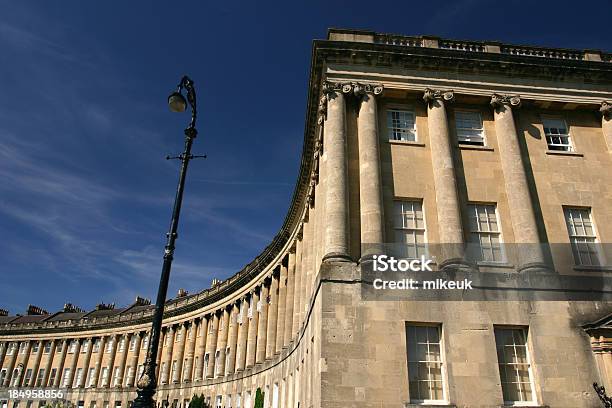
x,y
144,399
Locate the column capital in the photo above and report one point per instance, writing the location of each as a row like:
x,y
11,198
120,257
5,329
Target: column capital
x,y
430,95
498,101
330,90
606,110
300,231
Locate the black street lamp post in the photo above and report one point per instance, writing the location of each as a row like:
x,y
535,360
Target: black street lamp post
x,y
147,382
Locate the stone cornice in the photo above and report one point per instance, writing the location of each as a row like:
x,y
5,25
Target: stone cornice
x,y
462,61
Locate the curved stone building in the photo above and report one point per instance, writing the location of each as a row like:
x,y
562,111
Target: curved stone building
x,y
413,140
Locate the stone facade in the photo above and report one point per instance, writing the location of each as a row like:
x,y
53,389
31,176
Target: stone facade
x,y
295,322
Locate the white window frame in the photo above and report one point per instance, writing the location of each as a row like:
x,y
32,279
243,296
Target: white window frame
x,y
66,377
412,134
52,375
442,362
90,377
480,233
40,377
533,401
466,140
205,365
116,375
577,239
129,371
27,377
11,349
104,376
77,377
413,230
561,147
173,368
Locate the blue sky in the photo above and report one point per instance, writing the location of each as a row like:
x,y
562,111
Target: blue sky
x,y
85,192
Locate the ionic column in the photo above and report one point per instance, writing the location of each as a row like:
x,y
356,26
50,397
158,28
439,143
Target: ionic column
x,y
243,330
188,369
179,353
81,383
272,315
123,361
11,365
232,338
98,363
3,348
211,344
48,364
445,183
169,349
297,296
201,349
222,342
22,361
606,122
36,365
251,349
370,192
134,359
288,330
114,339
73,363
262,324
336,197
282,301
62,361
522,212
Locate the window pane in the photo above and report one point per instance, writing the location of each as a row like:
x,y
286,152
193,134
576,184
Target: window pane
x,y
409,224
401,125
557,134
485,233
582,236
513,361
469,128
424,363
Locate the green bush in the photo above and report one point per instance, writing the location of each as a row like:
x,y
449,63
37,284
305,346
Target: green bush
x,y
198,402
259,398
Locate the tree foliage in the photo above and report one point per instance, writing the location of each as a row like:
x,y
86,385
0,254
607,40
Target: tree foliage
x,y
198,402
259,398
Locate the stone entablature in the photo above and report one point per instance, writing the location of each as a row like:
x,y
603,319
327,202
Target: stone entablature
x,y
469,46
